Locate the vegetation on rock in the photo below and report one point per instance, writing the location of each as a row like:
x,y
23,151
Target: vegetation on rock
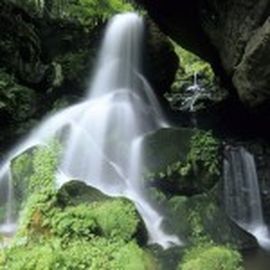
x,y
190,65
197,172
99,253
55,232
193,71
88,12
211,257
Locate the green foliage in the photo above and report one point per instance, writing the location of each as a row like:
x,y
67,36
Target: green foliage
x,y
172,171
198,235
21,168
35,218
91,12
15,100
204,152
210,257
45,161
115,219
202,159
35,169
95,235
191,64
98,254
74,222
86,12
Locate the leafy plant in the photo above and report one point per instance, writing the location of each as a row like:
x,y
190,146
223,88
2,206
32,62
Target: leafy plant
x,y
45,161
204,152
115,219
97,254
35,169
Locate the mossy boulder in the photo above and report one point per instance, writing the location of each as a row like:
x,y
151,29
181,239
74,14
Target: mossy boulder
x,y
182,160
76,192
76,227
211,257
96,254
200,219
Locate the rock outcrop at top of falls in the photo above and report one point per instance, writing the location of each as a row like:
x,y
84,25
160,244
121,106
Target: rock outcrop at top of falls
x,y
234,36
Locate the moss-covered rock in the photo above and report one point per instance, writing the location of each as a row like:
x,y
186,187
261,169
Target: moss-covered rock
x,y
200,219
76,192
211,257
182,161
96,254
74,227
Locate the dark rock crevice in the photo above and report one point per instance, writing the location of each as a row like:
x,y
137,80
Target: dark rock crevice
x,y
231,35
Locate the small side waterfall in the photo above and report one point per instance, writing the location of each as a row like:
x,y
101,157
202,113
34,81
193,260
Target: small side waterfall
x,y
195,92
242,194
103,145
9,224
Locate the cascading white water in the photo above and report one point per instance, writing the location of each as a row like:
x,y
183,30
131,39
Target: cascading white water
x,y
103,145
9,225
242,193
196,92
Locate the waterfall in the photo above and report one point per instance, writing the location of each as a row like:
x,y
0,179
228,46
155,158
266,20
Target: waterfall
x,y
103,133
242,194
8,226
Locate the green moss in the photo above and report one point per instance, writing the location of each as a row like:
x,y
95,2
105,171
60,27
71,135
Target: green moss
x,y
45,161
35,169
21,169
15,99
91,12
94,235
198,233
73,64
98,254
204,153
115,219
196,170
209,257
45,215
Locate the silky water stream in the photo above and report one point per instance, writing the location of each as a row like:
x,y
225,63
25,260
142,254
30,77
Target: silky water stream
x,y
103,133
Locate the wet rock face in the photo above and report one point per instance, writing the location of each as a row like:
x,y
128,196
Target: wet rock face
x,y
252,75
232,35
